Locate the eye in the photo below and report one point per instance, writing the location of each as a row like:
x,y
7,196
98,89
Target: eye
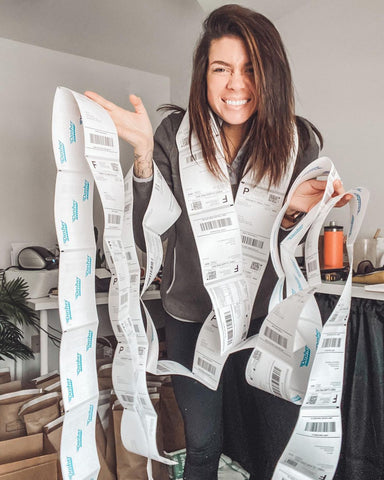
x,y
220,68
249,70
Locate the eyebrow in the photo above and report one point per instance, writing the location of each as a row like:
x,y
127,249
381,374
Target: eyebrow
x,y
225,64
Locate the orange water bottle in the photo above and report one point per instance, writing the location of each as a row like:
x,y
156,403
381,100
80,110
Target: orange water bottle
x,y
333,246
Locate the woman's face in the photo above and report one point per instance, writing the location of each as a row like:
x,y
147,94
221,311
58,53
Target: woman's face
x,y
230,83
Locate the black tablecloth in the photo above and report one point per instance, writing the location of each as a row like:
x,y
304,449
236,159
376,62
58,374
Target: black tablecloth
x,y
362,452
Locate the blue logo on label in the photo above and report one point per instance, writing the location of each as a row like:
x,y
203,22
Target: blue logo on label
x,y
299,286
79,363
70,469
75,211
72,132
64,230
358,198
352,223
63,157
318,335
90,413
79,440
296,398
67,308
78,288
70,389
89,340
88,266
306,357
85,190
293,235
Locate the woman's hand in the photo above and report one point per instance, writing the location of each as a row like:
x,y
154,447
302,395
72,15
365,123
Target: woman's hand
x,y
133,127
309,193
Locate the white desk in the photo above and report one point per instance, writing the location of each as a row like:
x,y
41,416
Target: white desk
x,y
43,304
358,290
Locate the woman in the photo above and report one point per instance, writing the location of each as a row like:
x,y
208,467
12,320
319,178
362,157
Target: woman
x,y
241,87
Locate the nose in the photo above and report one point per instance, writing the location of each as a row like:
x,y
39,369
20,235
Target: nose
x,y
236,81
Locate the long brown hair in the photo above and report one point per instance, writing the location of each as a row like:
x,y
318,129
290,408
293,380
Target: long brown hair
x,y
270,129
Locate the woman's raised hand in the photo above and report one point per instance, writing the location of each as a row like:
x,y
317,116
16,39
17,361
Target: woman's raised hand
x,y
133,127
310,192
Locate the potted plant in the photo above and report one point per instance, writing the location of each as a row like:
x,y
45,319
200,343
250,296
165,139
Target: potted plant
x,y
14,311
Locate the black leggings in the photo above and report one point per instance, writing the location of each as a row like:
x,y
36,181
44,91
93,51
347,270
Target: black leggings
x,y
200,406
249,425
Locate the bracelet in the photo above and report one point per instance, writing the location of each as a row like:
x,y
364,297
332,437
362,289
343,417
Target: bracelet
x,y
295,217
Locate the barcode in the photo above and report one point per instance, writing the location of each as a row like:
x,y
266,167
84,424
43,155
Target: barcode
x,y
206,366
312,265
276,374
291,462
128,398
196,205
334,342
228,322
113,218
312,400
212,224
150,267
162,368
320,427
211,275
124,299
276,337
252,242
256,266
257,355
273,198
101,140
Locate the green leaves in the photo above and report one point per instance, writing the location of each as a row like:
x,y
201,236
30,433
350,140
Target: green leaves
x,y
11,345
14,310
13,304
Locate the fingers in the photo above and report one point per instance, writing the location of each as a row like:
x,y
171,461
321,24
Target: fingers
x,y
343,201
339,190
318,184
137,104
338,187
100,100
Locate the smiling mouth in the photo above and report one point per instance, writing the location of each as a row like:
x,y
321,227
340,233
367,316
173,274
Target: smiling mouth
x,y
236,102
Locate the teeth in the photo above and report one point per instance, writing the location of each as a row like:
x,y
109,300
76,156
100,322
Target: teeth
x,y
236,102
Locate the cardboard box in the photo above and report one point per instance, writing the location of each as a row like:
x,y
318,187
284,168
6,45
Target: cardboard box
x,y
10,387
24,458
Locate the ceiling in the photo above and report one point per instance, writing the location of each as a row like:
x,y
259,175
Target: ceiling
x,y
121,31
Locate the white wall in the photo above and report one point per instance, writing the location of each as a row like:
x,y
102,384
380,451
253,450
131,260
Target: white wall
x,y
336,49
29,77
